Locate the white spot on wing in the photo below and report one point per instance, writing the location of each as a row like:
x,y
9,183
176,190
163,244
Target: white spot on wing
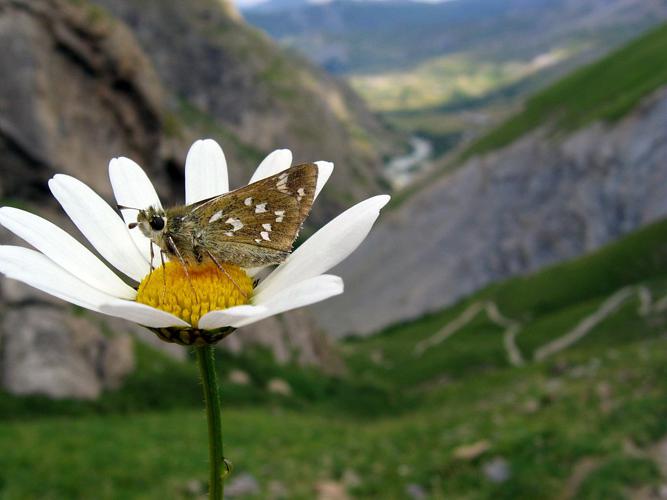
x,y
301,193
248,201
280,214
216,216
281,185
260,208
235,223
265,235
258,241
229,233
267,227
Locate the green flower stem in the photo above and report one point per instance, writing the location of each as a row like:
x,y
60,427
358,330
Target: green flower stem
x,y
205,357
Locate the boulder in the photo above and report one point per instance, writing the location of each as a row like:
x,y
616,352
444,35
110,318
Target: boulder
x,y
49,351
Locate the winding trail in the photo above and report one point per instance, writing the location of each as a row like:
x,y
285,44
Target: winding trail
x,y
512,327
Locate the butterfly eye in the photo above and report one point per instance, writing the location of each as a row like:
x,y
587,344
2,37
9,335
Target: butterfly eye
x,y
156,223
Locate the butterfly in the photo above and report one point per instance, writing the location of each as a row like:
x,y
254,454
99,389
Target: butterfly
x,y
252,226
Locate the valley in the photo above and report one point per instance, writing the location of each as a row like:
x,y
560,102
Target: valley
x,y
502,331
455,69
581,165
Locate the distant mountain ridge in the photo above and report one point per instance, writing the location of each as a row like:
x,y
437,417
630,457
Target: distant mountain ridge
x,y
365,37
550,194
283,5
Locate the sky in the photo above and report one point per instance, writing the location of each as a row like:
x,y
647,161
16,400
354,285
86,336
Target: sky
x,y
243,4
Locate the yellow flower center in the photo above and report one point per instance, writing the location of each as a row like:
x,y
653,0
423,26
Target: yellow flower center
x,y
189,296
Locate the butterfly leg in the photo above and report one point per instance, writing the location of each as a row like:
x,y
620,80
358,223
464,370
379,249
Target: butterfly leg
x,y
152,258
174,248
215,261
152,254
164,274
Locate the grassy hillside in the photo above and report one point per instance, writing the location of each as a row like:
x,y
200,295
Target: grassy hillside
x,y
457,420
605,90
546,304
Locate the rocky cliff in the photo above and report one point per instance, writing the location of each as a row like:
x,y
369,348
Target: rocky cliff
x,y
216,66
76,91
547,197
79,89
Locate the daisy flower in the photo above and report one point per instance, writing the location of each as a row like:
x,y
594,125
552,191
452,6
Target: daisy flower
x,y
197,309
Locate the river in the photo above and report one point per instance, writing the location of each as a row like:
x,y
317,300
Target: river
x,y
401,170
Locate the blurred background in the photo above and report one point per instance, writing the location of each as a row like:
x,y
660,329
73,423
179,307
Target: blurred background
x,y
503,329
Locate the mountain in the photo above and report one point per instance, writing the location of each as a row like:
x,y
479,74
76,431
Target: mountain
x,y
448,71
271,5
370,37
582,165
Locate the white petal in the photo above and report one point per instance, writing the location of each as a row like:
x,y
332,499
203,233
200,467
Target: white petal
x,y
35,269
324,171
254,271
225,317
326,248
275,162
133,188
205,171
100,224
131,185
304,293
281,159
142,314
65,251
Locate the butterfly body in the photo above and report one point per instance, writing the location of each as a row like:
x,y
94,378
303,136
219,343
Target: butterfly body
x,y
253,226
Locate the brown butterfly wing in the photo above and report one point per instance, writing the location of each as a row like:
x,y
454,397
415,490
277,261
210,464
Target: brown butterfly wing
x,y
257,224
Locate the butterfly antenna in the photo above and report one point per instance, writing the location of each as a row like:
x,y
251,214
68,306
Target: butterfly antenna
x,y
123,207
219,266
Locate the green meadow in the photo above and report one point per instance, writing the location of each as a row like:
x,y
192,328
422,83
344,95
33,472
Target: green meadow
x,y
586,423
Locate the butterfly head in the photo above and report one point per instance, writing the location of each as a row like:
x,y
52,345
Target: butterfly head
x,y
152,222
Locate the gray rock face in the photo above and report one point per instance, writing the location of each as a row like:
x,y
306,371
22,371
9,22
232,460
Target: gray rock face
x,y
48,351
543,199
77,90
